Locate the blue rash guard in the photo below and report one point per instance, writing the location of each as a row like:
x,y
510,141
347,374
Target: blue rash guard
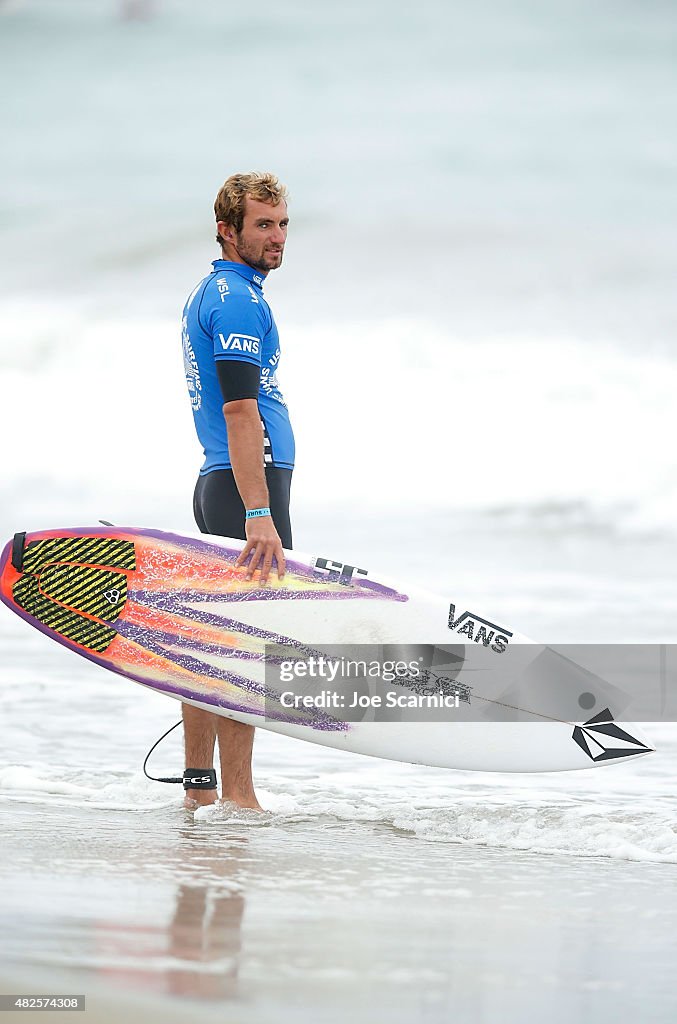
x,y
227,318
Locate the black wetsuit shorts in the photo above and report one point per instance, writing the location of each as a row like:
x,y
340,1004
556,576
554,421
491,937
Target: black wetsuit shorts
x,y
218,507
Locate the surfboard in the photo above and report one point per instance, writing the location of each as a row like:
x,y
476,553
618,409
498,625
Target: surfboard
x,y
172,612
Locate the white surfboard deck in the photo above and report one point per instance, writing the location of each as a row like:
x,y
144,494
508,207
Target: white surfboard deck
x,y
173,613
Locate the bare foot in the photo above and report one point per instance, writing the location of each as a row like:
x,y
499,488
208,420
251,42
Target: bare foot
x,y
195,798
247,800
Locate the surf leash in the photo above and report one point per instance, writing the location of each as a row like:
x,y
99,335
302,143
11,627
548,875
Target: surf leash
x,y
192,778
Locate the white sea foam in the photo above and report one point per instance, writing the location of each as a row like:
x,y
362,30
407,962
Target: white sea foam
x,y
431,421
42,784
626,813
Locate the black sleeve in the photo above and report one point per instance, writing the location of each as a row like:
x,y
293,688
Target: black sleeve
x,y
237,379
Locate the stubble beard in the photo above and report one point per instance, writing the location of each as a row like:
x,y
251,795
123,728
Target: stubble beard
x,y
262,261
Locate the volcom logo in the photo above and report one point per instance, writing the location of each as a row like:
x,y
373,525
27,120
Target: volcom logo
x,y
479,630
112,596
240,343
345,572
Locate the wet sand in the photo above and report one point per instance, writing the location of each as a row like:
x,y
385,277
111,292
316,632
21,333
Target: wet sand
x,y
161,917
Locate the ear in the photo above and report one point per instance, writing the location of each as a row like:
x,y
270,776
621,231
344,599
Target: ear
x,y
225,230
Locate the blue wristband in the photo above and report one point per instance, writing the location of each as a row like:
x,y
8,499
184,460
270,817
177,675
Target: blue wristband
x,y
253,513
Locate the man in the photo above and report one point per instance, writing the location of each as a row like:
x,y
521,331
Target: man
x,y
231,352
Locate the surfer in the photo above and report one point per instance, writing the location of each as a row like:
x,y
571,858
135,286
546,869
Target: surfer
x,y
231,354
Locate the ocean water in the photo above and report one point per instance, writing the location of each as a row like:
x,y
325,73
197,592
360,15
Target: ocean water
x,y
482,210
477,312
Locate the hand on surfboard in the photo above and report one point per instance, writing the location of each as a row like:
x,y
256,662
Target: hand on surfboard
x,y
263,545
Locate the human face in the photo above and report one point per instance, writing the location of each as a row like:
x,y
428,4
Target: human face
x,y
261,241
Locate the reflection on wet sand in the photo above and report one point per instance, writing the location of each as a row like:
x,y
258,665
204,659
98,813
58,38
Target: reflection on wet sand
x,y
197,953
205,930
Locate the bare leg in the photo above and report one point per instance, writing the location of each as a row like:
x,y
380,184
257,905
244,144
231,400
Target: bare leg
x,y
235,752
199,730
